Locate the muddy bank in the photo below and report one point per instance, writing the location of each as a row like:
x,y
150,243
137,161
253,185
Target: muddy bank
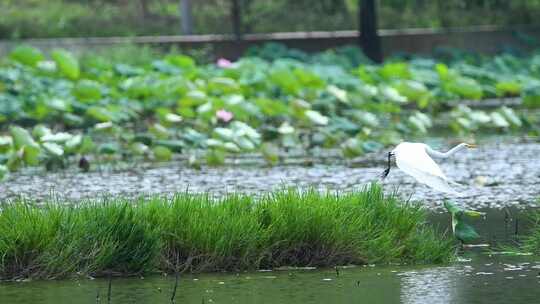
x,y
493,176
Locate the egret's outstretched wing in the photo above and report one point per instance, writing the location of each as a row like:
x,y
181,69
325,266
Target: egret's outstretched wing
x,y
413,159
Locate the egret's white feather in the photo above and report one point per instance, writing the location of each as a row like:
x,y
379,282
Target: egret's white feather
x,y
413,159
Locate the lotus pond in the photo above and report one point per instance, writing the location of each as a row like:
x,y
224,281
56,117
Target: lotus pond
x,y
58,109
76,128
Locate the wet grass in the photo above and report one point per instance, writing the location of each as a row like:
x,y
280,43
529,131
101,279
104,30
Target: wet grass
x,y
192,232
531,243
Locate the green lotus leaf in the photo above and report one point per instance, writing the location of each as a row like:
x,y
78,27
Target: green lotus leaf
x,y
67,64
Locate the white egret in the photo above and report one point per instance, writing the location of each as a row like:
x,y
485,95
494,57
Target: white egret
x,y
415,160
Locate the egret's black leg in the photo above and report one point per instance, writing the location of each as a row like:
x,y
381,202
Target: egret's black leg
x,y
387,170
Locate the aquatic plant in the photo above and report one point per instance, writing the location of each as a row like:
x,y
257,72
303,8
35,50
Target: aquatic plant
x,y
105,109
196,232
463,232
531,242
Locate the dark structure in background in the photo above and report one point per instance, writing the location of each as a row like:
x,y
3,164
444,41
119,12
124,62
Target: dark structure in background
x,y
236,15
186,17
369,38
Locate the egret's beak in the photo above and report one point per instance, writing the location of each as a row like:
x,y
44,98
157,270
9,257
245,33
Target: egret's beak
x,y
471,146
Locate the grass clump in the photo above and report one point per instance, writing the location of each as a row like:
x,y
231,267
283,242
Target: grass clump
x,y
194,232
531,243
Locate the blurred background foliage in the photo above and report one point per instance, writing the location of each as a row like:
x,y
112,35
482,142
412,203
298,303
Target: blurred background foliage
x,y
71,18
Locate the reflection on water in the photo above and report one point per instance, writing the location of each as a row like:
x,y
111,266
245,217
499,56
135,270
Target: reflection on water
x,y
433,285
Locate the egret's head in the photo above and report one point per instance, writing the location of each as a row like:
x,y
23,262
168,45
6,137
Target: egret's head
x,y
470,146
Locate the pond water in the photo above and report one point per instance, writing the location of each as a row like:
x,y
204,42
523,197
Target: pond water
x,y
484,278
495,175
477,277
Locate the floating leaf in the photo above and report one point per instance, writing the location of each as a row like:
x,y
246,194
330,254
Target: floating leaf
x,y
270,153
40,130
57,137
53,148
285,128
159,131
372,146
162,153
508,88
316,117
31,154
413,91
214,143
215,157
340,94
224,133
26,55
365,118
511,116
99,114
499,120
72,119
231,147
246,129
104,126
173,145
245,144
22,137
74,142
4,172
109,148
480,117
87,145
139,148
173,118
352,147
57,104
67,63
5,143
391,94
87,90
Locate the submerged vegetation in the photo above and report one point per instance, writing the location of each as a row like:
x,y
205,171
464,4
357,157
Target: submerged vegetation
x,y
58,109
531,243
194,233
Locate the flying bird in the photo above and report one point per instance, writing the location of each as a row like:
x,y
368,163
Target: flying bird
x,y
415,159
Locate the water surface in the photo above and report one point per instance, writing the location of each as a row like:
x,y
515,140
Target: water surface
x,y
493,279
495,175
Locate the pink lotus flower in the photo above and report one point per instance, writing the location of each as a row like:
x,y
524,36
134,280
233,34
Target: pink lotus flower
x,y
224,63
224,115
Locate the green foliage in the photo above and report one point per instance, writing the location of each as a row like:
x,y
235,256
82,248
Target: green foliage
x,y
64,18
27,55
153,106
531,242
67,64
462,231
195,232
